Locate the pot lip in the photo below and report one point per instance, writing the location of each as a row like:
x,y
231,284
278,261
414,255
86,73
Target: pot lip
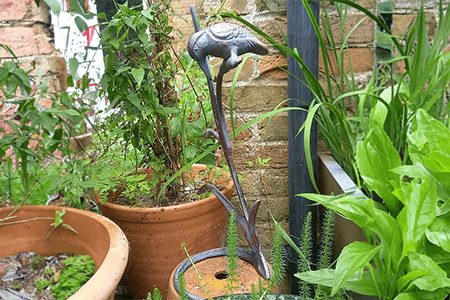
x,y
169,208
244,254
113,264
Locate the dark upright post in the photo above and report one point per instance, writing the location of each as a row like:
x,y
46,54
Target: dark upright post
x,y
301,35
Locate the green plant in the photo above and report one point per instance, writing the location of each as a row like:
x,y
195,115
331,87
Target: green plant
x,y
306,263
407,253
41,284
17,286
76,271
158,98
38,262
156,295
394,105
232,253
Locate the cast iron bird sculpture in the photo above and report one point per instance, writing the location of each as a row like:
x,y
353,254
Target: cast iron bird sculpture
x,y
228,41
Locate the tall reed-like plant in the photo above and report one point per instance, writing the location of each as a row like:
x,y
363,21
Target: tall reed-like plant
x,y
393,105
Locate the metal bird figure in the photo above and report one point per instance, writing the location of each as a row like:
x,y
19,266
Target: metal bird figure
x,y
228,41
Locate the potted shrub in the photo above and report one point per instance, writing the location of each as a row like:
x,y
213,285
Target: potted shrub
x,y
25,228
148,145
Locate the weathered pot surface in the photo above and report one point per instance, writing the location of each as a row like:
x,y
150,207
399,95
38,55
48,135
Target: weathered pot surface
x,y
212,267
97,236
156,234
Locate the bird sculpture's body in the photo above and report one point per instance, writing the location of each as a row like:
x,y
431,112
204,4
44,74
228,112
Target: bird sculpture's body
x,y
226,41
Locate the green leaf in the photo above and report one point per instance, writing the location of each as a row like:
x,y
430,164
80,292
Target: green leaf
x,y
375,158
81,24
363,212
54,6
138,75
438,233
72,115
436,277
59,217
73,67
361,283
406,279
408,296
116,44
418,213
134,99
57,138
353,258
430,135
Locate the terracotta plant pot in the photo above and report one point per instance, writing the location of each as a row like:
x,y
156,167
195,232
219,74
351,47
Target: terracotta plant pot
x,y
156,233
212,267
97,236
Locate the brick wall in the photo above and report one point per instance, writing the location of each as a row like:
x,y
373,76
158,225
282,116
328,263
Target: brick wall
x,y
262,86
25,28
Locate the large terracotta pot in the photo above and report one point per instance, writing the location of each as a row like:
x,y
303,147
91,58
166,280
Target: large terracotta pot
x,y
97,236
212,267
155,236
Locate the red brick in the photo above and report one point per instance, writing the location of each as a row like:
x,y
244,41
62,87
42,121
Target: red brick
x,y
270,66
361,58
26,41
13,9
401,23
363,33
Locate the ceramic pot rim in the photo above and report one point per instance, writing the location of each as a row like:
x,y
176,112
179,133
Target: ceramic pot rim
x,y
113,264
244,254
166,209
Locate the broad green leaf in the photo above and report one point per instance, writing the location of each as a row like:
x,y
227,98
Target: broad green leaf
x,y
353,259
375,157
436,277
429,135
363,212
418,213
406,279
361,283
437,254
138,75
438,233
408,296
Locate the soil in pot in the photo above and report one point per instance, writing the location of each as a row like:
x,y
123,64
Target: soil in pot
x,y
29,275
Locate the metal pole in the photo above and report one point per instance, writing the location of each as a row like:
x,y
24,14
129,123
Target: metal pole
x,y
301,35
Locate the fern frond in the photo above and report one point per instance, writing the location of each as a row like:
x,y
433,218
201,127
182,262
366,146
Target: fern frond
x,y
232,253
306,249
183,295
277,259
326,242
